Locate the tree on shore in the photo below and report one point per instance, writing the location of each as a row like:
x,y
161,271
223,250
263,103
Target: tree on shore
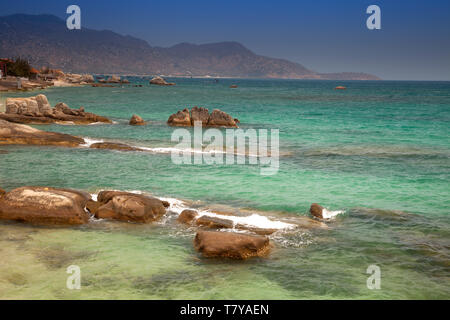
x,y
18,68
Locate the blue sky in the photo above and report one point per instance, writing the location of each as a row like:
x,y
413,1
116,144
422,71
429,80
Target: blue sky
x,y
323,35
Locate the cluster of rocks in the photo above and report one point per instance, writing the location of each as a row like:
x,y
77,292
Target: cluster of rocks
x,y
60,206
70,78
57,206
79,78
13,133
38,110
114,79
217,118
160,81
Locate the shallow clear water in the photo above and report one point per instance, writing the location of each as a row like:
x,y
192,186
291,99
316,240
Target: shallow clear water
x,y
379,150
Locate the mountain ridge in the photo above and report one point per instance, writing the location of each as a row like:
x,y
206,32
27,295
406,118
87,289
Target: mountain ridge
x,y
45,41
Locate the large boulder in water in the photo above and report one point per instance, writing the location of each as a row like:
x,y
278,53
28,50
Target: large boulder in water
x,y
181,118
219,118
13,133
187,216
230,245
161,82
199,114
43,205
128,206
136,120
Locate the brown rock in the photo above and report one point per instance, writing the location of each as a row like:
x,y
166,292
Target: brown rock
x,y
2,192
187,216
260,231
199,114
316,210
93,206
127,206
136,120
114,146
230,245
12,133
340,88
43,205
38,110
166,204
161,82
214,222
181,118
113,79
308,223
233,86
219,118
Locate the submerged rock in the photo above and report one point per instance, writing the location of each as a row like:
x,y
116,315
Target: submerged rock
x,y
233,86
114,146
383,214
188,118
128,206
136,120
44,205
12,133
214,222
230,245
161,82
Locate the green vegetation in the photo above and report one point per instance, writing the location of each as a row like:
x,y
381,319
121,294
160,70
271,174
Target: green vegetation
x,y
19,68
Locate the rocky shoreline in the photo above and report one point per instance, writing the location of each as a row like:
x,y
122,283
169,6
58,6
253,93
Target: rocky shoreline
x,y
220,237
219,234
37,110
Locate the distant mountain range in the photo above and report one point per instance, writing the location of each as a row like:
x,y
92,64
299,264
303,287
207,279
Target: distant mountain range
x,y
45,41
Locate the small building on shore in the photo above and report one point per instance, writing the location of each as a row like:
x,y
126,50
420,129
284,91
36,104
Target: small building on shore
x,y
3,68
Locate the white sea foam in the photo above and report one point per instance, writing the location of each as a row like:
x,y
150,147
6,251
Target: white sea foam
x,y
89,142
189,150
255,220
327,214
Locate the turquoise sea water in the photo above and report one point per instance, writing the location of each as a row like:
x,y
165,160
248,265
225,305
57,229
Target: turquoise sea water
x,y
378,150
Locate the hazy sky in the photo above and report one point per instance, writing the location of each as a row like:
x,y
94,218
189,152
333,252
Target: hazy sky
x,y
323,35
